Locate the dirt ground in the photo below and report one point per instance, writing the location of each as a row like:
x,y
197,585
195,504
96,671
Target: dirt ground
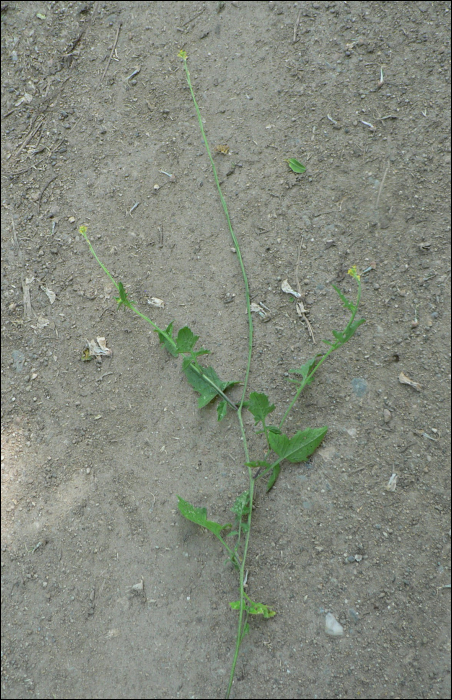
x,y
95,454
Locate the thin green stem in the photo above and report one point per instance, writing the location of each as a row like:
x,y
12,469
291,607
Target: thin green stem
x,y
242,611
231,231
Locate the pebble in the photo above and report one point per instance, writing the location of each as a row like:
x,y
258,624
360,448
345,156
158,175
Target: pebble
x,y
359,386
353,615
18,360
332,626
387,415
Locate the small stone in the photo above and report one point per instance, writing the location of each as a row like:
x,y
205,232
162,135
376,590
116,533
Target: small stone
x,y
359,386
332,626
387,415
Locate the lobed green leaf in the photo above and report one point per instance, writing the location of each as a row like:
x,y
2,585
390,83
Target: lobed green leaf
x,y
254,608
241,505
259,406
201,385
186,340
348,304
298,448
199,516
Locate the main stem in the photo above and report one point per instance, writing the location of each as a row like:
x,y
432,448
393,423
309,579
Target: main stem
x,y
242,611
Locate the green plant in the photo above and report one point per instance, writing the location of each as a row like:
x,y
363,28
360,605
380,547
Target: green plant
x,y
235,536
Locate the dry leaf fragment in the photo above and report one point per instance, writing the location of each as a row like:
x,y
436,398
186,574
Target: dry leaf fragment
x,y
403,379
287,289
154,301
392,483
301,311
223,148
51,295
26,284
41,323
257,308
99,348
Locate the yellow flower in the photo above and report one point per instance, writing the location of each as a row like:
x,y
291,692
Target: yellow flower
x,y
82,230
182,54
354,273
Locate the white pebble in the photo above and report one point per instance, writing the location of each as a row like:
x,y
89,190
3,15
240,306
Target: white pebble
x,y
332,626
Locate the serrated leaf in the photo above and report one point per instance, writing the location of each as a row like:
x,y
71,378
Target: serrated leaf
x,y
274,475
351,330
222,409
241,505
254,608
295,165
123,298
259,406
164,340
186,340
298,448
348,304
199,516
305,369
200,383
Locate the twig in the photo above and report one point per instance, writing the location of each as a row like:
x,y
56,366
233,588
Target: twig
x,y
295,29
112,51
193,18
381,187
43,190
28,139
300,307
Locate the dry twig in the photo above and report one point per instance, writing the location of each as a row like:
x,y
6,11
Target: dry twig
x,y
112,51
301,311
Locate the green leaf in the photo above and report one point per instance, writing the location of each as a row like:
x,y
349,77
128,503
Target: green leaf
x,y
295,165
258,463
304,370
348,304
123,298
259,406
345,335
298,448
164,339
351,330
274,429
241,505
199,516
274,475
186,340
222,409
201,385
254,608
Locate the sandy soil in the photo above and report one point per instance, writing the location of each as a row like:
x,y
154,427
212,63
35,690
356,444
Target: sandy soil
x,y
95,454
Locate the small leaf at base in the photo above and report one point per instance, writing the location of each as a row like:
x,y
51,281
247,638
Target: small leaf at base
x,y
199,516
